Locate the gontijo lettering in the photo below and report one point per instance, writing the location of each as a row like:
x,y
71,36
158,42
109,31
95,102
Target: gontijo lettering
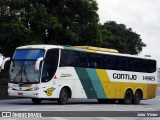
x,y
124,76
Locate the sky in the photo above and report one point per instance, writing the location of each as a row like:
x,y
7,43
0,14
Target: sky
x,y
143,16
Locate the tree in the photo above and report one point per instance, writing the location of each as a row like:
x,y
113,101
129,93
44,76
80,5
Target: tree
x,y
79,21
71,22
13,33
117,36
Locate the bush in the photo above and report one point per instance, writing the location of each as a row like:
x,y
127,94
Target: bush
x,y
4,78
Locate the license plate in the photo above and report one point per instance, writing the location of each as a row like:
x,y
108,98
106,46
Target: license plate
x,y
20,94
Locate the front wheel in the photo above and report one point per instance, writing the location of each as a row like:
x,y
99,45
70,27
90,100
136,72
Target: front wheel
x,y
36,100
63,97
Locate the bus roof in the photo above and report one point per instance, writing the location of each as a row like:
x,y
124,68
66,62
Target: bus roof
x,y
82,48
43,46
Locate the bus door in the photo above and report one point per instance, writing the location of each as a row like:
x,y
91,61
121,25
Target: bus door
x,y
49,83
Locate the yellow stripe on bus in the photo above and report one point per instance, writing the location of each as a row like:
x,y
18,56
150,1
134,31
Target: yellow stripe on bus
x,y
104,79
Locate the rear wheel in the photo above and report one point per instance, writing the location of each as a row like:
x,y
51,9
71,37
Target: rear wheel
x,y
128,97
36,100
63,97
137,97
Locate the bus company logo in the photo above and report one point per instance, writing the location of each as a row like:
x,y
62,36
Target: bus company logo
x,y
124,76
6,114
50,91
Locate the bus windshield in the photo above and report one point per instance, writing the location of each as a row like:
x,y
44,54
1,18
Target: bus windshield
x,y
24,72
22,68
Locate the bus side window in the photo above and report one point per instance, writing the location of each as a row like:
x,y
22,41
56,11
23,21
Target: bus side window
x,y
152,66
95,61
144,66
115,63
134,65
63,58
73,58
123,64
137,65
67,58
130,64
83,60
108,62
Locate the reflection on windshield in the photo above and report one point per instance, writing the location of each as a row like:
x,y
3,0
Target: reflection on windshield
x,y
24,72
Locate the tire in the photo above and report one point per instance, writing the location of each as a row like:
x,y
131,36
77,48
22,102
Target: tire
x,y
63,97
137,97
128,97
36,100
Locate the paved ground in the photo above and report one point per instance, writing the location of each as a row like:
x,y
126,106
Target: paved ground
x,y
83,105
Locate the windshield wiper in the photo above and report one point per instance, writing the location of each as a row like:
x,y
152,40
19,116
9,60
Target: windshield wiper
x,y
25,74
20,73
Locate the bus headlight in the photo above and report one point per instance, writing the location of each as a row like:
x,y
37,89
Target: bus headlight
x,y
10,88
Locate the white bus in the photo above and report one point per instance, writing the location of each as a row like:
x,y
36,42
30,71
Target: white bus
x,y
1,60
52,72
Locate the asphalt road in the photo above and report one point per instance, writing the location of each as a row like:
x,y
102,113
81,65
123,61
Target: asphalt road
x,y
90,108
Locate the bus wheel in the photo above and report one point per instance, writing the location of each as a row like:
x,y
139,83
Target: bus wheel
x,y
63,97
128,97
137,97
36,100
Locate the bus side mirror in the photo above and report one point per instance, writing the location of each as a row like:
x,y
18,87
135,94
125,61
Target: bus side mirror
x,y
37,66
4,61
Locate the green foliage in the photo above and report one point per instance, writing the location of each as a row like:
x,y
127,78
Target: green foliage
x,y
3,81
70,22
4,75
117,36
73,22
13,34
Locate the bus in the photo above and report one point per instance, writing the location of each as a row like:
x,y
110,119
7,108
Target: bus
x,y
1,60
54,72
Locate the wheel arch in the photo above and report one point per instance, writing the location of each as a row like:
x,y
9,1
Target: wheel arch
x,y
68,89
130,89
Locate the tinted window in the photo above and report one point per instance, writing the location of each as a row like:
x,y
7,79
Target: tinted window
x,y
50,64
28,54
96,61
83,60
112,62
152,66
108,62
68,58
